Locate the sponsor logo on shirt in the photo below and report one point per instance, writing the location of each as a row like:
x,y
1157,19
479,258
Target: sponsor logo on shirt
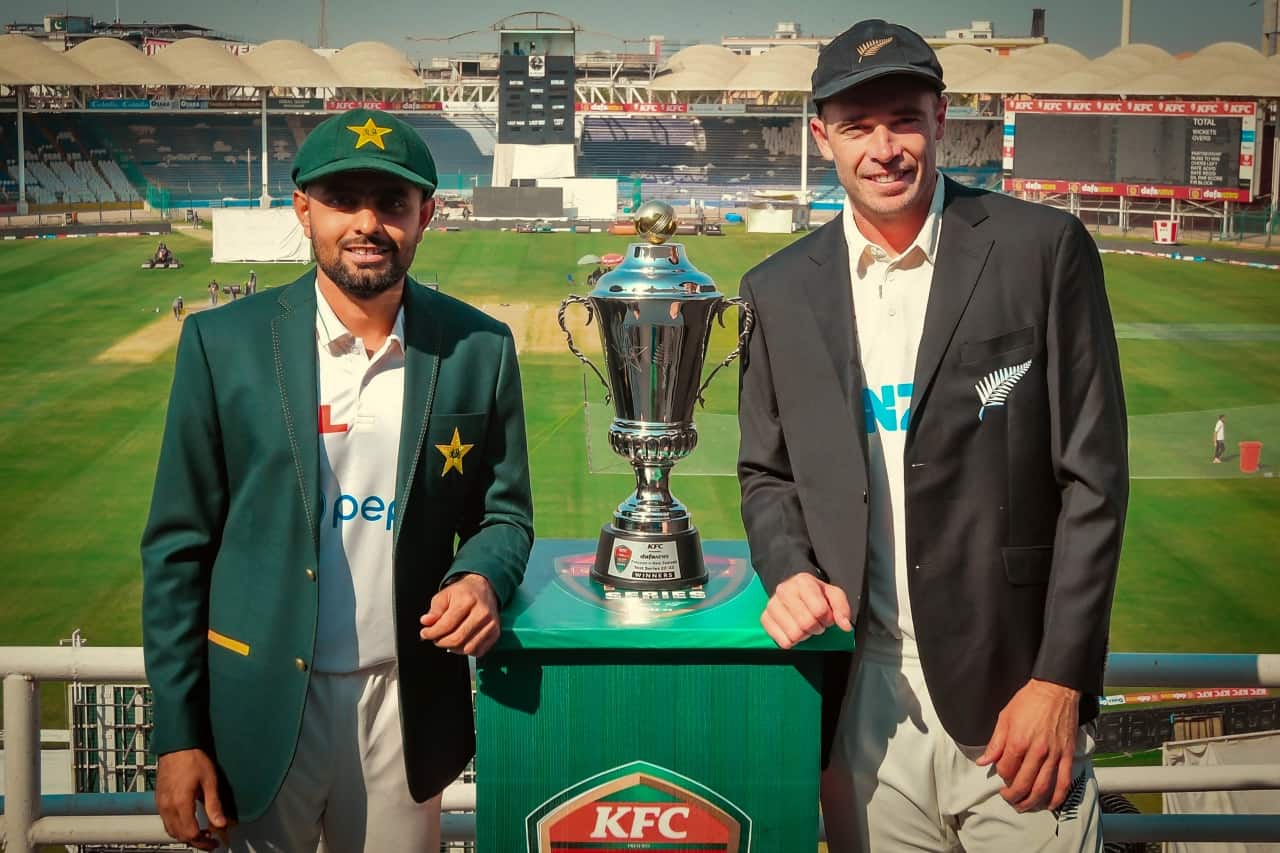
x,y
370,510
888,409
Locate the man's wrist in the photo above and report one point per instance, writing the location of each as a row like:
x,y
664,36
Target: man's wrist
x,y
1053,687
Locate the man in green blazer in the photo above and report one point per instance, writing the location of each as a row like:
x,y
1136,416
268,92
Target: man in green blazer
x,y
341,509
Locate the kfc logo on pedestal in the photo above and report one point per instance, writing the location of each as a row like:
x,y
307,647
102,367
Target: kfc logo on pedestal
x,y
637,807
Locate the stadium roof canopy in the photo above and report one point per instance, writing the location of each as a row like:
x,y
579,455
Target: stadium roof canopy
x,y
700,68
292,63
199,62
375,65
1222,69
783,69
118,62
25,61
1225,69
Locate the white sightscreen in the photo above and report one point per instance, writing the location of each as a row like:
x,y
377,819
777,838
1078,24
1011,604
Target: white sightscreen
x,y
586,198
258,236
513,162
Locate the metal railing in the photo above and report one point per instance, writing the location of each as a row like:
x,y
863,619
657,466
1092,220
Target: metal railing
x,y
30,819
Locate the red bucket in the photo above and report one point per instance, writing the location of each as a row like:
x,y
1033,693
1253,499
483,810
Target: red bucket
x,y
1250,456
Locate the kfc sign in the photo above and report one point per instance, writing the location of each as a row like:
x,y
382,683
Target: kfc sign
x,y
638,807
1125,107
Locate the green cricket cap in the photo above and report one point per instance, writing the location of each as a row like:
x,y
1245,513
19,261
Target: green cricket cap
x,y
365,140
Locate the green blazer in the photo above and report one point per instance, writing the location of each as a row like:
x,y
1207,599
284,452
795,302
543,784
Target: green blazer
x,y
230,548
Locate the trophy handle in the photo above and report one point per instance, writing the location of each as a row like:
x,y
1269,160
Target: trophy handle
x,y
748,324
568,336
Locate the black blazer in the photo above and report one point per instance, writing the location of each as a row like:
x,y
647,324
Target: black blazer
x,y
1014,519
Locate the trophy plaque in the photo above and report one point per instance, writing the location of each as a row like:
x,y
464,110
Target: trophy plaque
x,y
654,313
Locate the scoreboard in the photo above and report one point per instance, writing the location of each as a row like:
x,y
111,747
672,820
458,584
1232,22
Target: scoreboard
x,y
535,99
1201,150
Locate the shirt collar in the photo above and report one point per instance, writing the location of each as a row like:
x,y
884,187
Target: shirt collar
x,y
330,330
926,240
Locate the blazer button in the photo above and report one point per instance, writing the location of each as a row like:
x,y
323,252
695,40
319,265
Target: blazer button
x,y
311,575
300,664
864,495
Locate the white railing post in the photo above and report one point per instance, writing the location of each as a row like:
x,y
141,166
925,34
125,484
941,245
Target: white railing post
x,y
22,761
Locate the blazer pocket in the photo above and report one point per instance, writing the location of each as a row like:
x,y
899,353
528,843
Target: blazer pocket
x,y
1028,565
999,345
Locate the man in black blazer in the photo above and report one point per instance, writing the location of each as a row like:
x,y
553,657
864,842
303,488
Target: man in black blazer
x,y
934,446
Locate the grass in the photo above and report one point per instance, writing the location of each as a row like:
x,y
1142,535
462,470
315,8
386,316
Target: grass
x,y
78,439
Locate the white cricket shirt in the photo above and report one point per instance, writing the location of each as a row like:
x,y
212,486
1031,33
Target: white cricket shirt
x,y
890,295
361,401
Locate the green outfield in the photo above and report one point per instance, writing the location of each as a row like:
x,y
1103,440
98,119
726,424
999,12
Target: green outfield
x,y
86,358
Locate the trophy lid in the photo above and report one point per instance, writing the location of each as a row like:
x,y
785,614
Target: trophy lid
x,y
655,268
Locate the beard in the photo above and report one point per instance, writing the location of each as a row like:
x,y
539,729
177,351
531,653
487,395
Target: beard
x,y
365,283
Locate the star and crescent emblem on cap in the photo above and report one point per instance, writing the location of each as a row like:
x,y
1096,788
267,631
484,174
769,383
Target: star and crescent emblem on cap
x,y
453,453
369,133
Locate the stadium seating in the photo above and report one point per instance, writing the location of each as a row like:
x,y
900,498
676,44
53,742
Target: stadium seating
x,y
204,159
711,158
462,146
115,177
77,188
703,158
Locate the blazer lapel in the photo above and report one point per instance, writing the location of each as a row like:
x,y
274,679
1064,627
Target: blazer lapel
x,y
421,369
293,333
958,264
829,295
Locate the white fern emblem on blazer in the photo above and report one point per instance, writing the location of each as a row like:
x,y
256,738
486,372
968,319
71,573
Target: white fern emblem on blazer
x,y
995,388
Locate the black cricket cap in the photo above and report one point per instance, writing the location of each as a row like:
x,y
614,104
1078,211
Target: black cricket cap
x,y
869,50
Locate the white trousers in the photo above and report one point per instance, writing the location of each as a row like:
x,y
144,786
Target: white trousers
x,y
898,782
346,790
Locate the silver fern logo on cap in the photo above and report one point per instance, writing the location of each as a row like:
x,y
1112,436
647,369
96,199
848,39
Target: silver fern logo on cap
x,y
871,48
995,388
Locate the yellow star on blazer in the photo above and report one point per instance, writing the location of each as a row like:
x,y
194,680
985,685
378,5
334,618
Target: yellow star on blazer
x,y
453,453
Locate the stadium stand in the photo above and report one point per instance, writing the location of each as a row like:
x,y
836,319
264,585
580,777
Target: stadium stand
x,y
114,176
709,157
463,146
197,159
705,158
202,162
49,186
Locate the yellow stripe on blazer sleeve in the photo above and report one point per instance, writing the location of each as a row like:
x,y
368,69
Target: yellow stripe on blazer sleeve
x,y
228,643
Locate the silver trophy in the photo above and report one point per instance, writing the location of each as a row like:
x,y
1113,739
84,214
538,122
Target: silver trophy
x,y
654,313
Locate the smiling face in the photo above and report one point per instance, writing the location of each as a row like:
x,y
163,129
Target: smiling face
x,y
882,137
364,227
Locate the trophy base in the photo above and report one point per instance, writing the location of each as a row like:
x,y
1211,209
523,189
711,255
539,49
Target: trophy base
x,y
649,560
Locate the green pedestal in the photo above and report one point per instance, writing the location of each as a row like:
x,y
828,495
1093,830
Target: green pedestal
x,y
613,720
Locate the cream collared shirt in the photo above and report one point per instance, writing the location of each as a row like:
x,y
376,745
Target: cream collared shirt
x,y
361,404
890,296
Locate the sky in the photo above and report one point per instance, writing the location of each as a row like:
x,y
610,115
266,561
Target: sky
x,y
1090,26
